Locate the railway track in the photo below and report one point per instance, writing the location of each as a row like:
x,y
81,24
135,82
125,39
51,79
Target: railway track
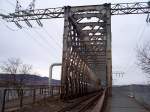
x,y
85,104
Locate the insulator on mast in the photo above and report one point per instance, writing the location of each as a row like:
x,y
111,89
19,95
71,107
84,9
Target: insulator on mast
x,y
39,23
148,18
18,25
31,5
28,23
18,6
148,3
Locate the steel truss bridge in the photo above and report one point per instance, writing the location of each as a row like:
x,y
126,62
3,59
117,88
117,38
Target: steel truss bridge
x,y
87,59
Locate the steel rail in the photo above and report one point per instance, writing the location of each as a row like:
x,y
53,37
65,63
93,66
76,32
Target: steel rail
x,y
82,104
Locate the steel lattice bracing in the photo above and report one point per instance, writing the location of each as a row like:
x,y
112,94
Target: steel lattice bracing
x,y
87,50
37,14
130,8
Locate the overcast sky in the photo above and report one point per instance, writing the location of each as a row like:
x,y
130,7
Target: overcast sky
x,y
43,46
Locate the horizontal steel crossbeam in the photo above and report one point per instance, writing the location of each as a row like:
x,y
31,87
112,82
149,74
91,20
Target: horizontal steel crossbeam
x,y
130,8
116,9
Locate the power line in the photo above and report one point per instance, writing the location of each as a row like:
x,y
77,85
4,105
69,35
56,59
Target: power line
x,y
37,41
140,37
3,10
138,40
51,37
131,63
23,30
10,3
43,30
43,39
40,34
29,35
8,26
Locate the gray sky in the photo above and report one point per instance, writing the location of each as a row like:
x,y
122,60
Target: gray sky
x,y
42,46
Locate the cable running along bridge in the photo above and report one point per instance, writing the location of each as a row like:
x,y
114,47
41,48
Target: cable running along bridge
x,y
87,58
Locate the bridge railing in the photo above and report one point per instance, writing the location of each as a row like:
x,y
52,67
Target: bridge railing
x,y
16,98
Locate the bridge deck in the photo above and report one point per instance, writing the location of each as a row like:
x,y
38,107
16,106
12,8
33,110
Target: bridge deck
x,y
121,102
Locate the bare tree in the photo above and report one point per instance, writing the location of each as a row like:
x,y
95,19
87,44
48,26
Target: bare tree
x,y
143,57
11,65
24,69
15,66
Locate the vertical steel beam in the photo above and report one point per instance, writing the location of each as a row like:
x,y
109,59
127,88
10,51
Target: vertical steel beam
x,y
64,85
108,50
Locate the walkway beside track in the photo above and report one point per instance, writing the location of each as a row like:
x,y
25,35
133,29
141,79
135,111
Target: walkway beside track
x,y
121,101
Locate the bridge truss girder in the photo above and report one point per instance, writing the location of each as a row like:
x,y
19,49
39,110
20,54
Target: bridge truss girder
x,y
86,50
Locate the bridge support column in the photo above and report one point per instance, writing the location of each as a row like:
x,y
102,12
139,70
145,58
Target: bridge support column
x,y
109,53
